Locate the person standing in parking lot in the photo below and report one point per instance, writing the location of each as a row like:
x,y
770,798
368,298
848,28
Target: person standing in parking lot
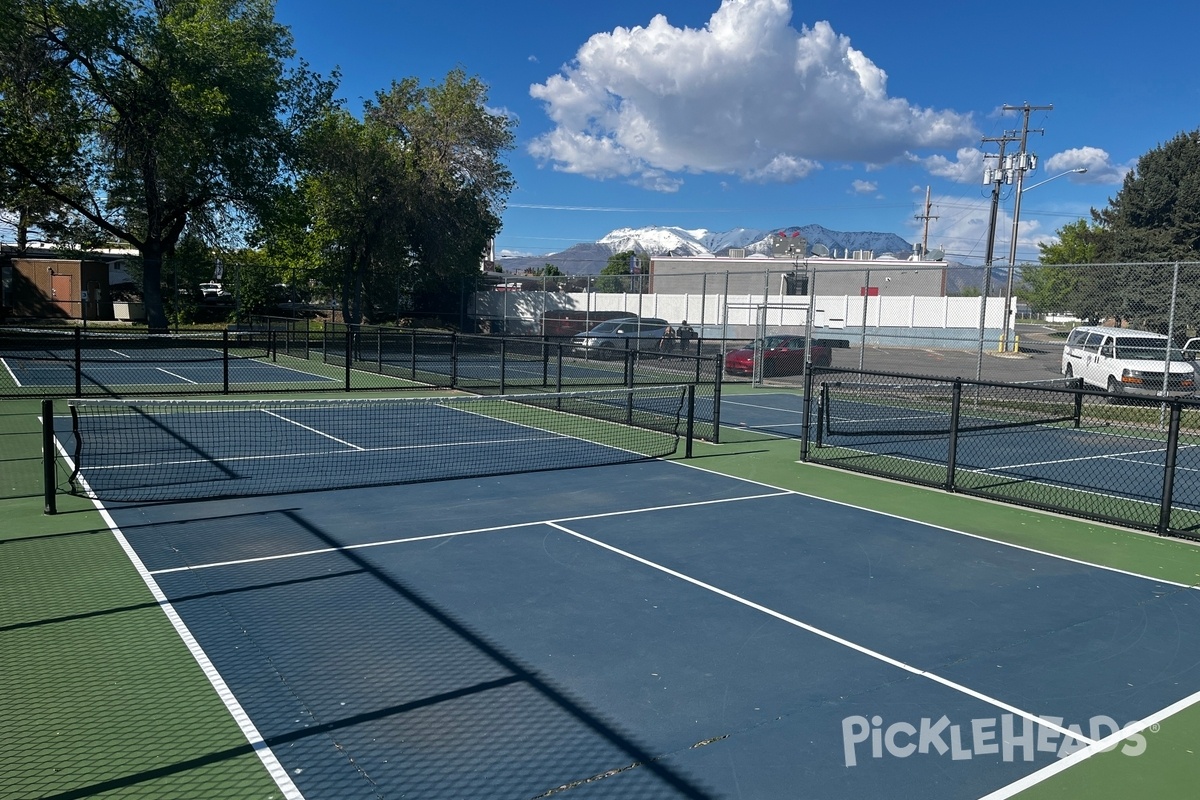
x,y
685,336
667,343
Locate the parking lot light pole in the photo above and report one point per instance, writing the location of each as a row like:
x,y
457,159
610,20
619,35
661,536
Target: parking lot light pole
x,y
1012,245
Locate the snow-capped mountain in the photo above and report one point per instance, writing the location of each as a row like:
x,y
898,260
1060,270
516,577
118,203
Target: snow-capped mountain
x,y
590,258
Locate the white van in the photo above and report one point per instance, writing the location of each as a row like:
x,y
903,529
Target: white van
x,y
1124,361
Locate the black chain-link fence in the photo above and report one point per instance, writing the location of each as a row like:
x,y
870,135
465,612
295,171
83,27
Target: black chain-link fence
x,y
282,355
508,364
1048,445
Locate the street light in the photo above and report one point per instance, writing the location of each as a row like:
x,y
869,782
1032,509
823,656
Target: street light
x,y
1012,245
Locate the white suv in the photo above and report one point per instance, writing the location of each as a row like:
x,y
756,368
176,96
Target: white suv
x,y
1124,361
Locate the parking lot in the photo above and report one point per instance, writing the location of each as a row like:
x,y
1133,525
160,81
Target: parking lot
x,y
1039,358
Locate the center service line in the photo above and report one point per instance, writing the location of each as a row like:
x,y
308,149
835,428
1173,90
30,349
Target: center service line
x,y
1034,718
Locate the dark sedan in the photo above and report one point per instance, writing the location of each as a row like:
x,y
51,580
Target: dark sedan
x,y
781,355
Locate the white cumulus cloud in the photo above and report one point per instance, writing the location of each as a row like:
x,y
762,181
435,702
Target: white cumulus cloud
x,y
1100,169
967,167
746,95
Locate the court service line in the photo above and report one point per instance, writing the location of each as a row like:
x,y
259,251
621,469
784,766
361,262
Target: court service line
x,y
311,429
875,654
273,365
996,472
177,375
472,531
1096,457
947,529
10,372
762,407
249,730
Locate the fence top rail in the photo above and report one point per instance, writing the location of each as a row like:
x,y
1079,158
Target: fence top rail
x,y
820,373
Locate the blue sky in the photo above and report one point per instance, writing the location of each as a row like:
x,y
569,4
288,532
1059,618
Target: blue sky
x,y
719,114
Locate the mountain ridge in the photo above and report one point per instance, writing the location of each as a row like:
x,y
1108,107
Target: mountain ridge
x,y
588,258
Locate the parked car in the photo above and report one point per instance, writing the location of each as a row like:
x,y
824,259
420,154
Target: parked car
x,y
631,333
569,322
1192,349
781,355
214,292
1125,361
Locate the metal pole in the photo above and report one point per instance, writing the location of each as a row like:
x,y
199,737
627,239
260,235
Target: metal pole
x,y
987,262
49,458
1012,245
1170,334
1012,252
862,349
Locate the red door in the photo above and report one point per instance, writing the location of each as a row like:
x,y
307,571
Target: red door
x,y
62,293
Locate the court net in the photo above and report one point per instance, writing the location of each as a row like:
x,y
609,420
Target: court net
x,y
911,406
165,450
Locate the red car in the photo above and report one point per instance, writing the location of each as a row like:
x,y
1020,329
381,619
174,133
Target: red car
x,y
781,355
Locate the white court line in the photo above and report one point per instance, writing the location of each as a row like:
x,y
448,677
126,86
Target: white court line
x,y
16,380
176,375
260,747
311,429
875,654
1090,750
955,531
510,526
274,365
1084,458
764,408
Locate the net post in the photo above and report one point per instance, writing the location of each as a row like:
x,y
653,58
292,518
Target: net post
x,y
558,368
49,457
806,417
1168,490
78,337
453,360
379,350
503,361
349,348
545,361
952,445
412,355
1078,407
225,361
822,413
716,410
691,420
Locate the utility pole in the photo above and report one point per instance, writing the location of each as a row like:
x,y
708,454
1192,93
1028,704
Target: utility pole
x,y
1021,164
926,216
996,177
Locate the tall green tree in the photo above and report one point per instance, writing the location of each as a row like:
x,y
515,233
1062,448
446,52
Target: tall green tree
x,y
399,206
1120,264
355,190
626,263
1156,214
154,114
1060,283
457,180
